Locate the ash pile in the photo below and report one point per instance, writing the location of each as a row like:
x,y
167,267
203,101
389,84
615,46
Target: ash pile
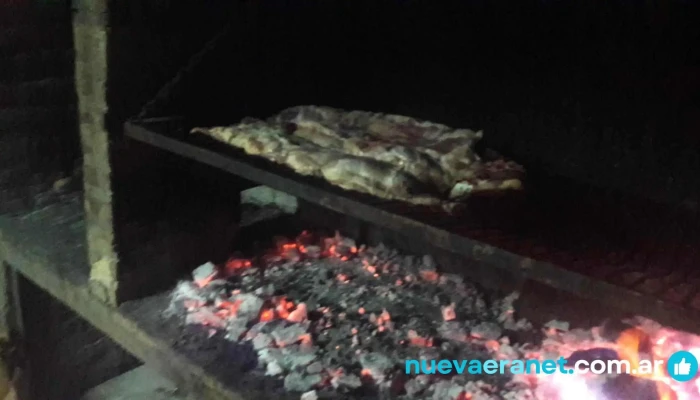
x,y
327,317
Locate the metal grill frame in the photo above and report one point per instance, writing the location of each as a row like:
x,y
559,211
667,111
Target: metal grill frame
x,y
170,134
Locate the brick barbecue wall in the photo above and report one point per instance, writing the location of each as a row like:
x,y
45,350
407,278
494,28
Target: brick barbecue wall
x,y
137,198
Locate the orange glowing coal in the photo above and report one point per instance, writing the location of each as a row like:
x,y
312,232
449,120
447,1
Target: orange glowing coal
x,y
448,312
492,345
634,345
629,345
235,265
430,276
464,396
331,251
419,341
283,307
205,281
267,315
231,307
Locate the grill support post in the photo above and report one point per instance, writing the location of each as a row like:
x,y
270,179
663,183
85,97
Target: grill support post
x,y
90,37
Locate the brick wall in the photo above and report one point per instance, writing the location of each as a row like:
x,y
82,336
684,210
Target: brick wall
x,y
149,214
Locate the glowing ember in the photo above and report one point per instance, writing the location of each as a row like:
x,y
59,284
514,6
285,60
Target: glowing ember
x,y
640,347
416,340
234,265
299,314
312,301
267,315
448,312
430,276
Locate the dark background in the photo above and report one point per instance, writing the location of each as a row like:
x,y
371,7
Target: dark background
x,y
606,92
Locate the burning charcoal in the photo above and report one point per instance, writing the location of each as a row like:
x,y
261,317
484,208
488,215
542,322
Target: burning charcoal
x,y
269,355
264,327
522,325
309,396
575,336
558,325
428,263
216,289
296,356
250,306
508,352
235,329
448,312
291,334
299,314
192,305
292,254
205,273
630,387
591,355
478,391
519,394
367,318
429,275
265,291
376,364
237,266
487,331
314,368
346,381
446,390
262,341
454,279
296,382
506,304
205,316
344,245
417,385
314,252
429,353
459,380
417,340
397,385
453,330
273,369
186,291
611,329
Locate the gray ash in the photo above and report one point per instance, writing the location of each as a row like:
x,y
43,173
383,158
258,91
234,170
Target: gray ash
x,y
325,314
327,318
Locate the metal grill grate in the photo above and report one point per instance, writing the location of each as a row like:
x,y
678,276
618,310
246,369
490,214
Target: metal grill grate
x,y
635,255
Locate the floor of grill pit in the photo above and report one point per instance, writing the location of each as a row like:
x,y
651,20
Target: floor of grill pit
x,y
210,366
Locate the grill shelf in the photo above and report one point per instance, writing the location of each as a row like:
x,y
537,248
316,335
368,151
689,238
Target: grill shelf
x,y
631,254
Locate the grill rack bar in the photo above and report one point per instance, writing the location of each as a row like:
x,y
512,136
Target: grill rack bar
x,y
565,275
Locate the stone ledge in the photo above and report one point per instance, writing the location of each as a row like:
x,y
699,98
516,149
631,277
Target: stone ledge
x,y
140,383
55,261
